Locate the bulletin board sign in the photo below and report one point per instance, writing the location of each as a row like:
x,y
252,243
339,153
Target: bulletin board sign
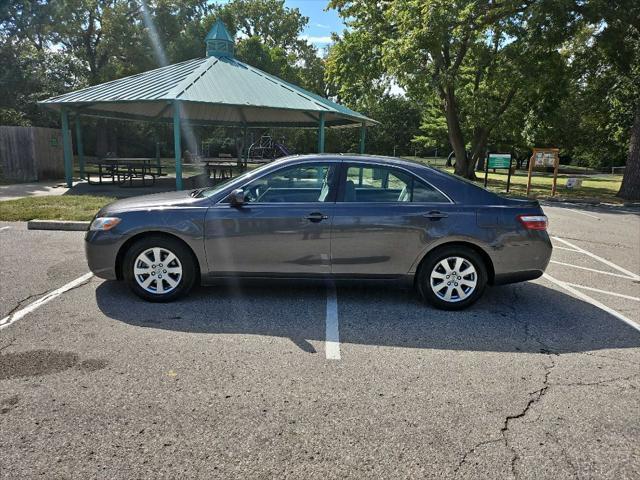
x,y
495,161
544,158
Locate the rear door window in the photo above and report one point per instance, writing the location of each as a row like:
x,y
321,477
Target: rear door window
x,y
374,184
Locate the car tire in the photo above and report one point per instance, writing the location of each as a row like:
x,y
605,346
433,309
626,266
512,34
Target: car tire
x,y
438,286
159,268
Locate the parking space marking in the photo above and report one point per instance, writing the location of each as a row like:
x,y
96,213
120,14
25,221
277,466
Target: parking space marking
x,y
592,301
615,294
15,316
582,213
565,248
600,259
332,333
4,228
592,270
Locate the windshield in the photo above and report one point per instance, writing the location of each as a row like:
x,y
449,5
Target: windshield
x,y
211,191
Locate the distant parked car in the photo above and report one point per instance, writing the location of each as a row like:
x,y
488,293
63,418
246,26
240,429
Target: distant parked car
x,y
355,217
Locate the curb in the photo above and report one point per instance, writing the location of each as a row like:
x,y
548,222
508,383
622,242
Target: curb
x,y
577,201
65,225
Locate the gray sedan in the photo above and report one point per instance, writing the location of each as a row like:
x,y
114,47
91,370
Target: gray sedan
x,y
324,216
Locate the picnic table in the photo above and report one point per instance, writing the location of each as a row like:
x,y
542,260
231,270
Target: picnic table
x,y
216,168
119,170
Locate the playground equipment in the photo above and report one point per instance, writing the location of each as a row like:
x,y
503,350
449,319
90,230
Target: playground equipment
x,y
266,149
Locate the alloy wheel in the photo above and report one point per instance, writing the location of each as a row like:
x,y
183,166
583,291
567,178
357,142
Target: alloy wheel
x,y
157,270
453,279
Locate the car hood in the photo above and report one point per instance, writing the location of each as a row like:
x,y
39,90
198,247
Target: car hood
x,y
150,202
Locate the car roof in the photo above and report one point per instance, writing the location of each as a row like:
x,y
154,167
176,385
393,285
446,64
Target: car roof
x,y
354,157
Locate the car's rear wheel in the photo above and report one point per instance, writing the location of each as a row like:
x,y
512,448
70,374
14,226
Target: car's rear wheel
x,y
452,278
159,268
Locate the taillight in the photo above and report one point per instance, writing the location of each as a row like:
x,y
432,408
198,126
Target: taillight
x,y
533,222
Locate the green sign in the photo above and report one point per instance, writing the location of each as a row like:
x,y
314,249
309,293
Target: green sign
x,y
499,160
54,141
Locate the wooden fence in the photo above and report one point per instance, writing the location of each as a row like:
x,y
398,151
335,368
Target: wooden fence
x,y
31,153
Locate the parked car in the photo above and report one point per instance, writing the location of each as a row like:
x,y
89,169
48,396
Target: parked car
x,y
342,217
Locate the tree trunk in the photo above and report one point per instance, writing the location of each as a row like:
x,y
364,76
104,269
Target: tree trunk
x,y
455,133
479,147
630,188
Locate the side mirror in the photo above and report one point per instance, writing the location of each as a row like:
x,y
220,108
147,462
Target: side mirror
x,y
236,198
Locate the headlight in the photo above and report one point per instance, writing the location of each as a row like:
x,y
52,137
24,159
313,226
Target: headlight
x,y
104,223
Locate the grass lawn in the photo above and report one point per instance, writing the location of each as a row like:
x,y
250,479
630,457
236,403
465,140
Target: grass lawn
x,y
602,188
59,207
597,187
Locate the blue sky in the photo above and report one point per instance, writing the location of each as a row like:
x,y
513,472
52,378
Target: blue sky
x,y
321,23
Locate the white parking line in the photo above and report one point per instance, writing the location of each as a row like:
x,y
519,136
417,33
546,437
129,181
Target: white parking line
x,y
582,213
4,228
603,260
592,301
15,316
615,294
565,248
592,270
332,343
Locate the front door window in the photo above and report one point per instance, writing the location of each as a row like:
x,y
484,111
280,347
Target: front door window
x,y
307,183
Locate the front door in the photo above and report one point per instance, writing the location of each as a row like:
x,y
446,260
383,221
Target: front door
x,y
284,228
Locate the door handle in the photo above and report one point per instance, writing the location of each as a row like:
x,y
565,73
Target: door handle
x,y
316,217
435,215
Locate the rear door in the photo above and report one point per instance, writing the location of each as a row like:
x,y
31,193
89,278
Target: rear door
x,y
384,218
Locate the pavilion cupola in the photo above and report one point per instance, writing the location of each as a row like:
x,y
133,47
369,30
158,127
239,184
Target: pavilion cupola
x,y
219,42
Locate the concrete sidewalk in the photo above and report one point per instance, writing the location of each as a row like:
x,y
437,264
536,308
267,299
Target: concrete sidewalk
x,y
20,190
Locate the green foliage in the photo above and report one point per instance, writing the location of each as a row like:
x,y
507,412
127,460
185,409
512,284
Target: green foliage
x,y
476,75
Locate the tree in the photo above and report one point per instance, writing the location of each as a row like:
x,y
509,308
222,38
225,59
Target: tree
x,y
616,43
476,56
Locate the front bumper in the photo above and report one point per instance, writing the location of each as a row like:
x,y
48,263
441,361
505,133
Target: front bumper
x,y
101,250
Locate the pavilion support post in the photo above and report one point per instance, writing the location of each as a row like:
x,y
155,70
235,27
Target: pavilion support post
x,y
66,148
79,145
177,144
321,133
363,135
245,147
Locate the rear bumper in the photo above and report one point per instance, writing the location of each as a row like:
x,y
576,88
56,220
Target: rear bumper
x,y
523,258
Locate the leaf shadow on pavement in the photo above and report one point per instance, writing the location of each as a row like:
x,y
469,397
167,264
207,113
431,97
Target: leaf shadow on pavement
x,y
528,317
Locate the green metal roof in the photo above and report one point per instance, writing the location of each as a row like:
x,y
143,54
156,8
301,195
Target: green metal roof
x,y
219,32
217,90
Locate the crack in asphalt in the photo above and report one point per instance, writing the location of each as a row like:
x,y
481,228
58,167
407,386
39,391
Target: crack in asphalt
x,y
601,382
565,455
592,354
472,450
9,344
21,302
40,295
535,397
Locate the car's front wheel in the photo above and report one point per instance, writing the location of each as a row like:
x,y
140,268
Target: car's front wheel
x,y
159,268
452,278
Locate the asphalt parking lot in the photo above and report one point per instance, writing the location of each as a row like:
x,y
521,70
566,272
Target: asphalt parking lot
x,y
537,380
